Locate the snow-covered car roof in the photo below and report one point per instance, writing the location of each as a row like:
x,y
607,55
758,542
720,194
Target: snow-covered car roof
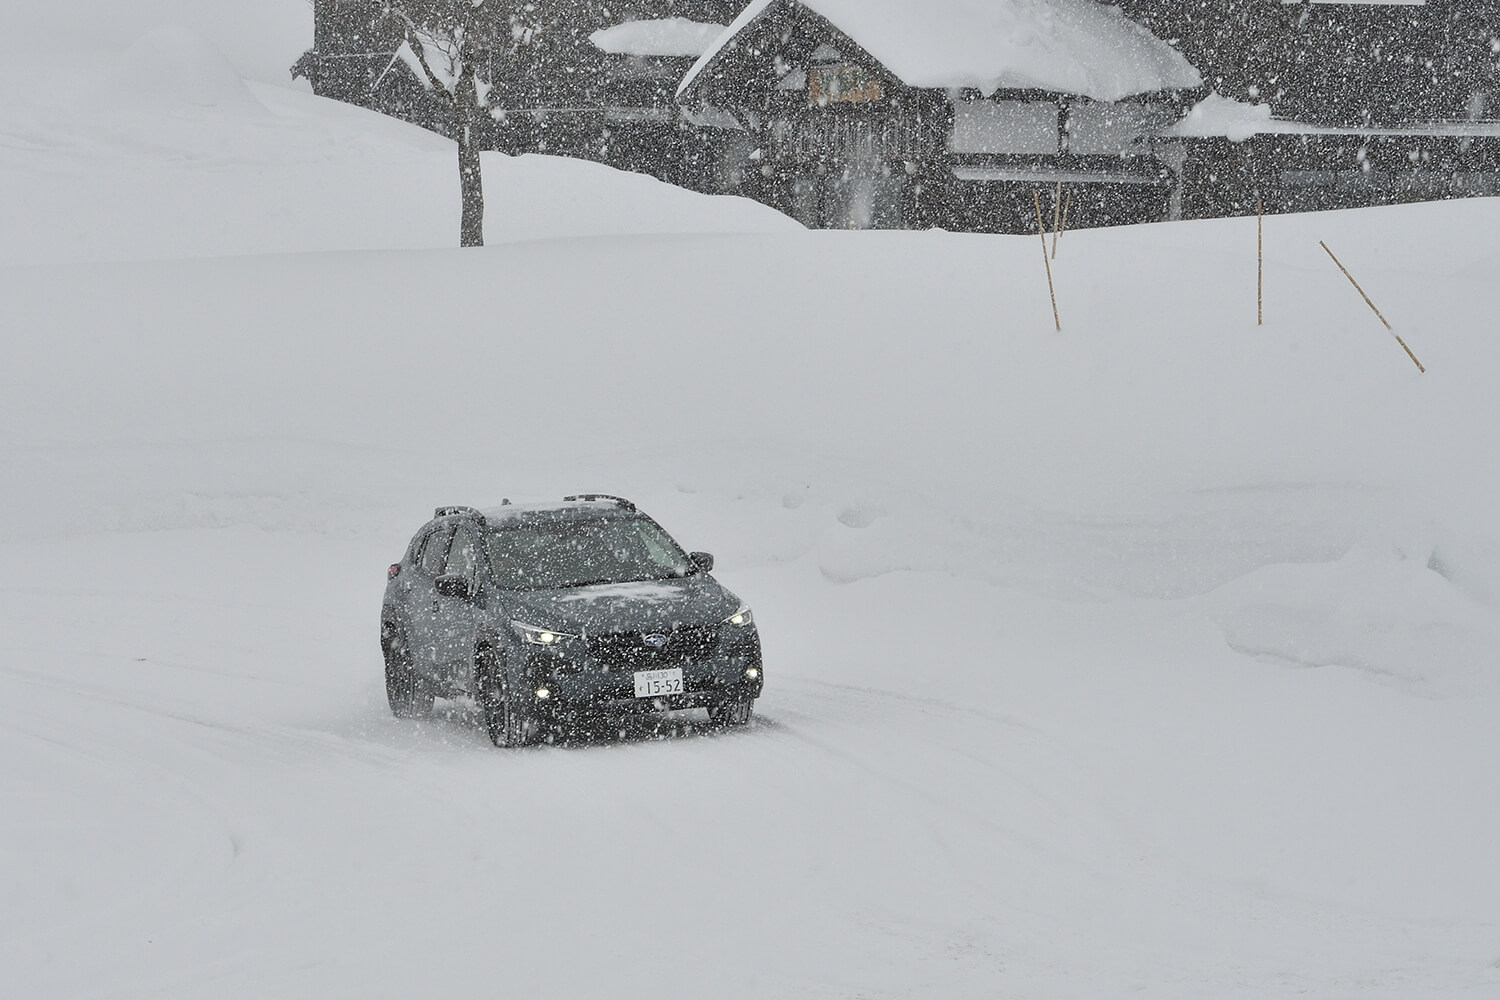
x,y
1069,46
586,504
668,36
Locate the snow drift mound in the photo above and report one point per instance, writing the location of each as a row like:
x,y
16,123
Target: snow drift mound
x,y
174,67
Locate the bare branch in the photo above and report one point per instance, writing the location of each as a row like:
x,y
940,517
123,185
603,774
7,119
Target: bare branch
x,y
419,49
444,31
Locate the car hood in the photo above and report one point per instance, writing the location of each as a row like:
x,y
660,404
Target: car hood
x,y
623,607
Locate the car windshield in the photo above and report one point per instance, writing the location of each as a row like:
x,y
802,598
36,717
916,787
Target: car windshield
x,y
546,555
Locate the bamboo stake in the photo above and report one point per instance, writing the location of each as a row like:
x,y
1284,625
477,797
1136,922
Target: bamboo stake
x,y
1260,263
1377,312
1056,217
1046,262
1067,204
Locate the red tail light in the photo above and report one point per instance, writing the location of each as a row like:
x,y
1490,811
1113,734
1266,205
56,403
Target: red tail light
x,y
393,572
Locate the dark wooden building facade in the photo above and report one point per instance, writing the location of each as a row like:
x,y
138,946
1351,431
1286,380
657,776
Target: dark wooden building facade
x,y
1365,63
843,138
1374,103
555,92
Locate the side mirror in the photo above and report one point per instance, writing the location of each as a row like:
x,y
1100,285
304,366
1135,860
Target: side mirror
x,y
455,585
703,560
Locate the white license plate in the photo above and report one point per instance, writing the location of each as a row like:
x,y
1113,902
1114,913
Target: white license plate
x,y
658,683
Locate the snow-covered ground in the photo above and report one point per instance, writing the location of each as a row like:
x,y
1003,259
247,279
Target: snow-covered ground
x,y
1155,657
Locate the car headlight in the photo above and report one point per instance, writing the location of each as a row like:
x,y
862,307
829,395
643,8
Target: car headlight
x,y
538,636
744,616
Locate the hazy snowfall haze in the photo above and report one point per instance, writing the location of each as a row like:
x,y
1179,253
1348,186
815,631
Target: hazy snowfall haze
x,y
1153,656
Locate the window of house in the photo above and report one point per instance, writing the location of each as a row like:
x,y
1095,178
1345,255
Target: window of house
x,y
842,84
1005,127
1111,129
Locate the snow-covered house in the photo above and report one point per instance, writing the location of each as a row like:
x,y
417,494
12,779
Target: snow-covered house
x,y
591,80
948,112
354,58
1340,103
609,94
1342,63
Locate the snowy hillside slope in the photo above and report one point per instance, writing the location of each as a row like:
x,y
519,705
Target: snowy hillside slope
x,y
159,148
1152,657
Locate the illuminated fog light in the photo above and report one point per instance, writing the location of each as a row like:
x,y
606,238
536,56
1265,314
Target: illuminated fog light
x,y
752,672
542,694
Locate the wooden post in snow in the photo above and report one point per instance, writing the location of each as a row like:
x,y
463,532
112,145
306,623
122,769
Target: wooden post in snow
x,y
1056,217
1046,261
1377,312
1067,203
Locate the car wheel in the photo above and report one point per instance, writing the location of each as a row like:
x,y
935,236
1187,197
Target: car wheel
x,y
506,724
732,713
409,695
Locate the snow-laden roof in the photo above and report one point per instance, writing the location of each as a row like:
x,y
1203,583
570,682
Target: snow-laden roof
x,y
1069,46
671,36
749,14
1237,121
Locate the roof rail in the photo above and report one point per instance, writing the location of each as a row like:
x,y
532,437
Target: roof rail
x,y
449,511
597,497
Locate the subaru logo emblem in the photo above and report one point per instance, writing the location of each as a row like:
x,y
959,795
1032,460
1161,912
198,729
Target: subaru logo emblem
x,y
655,640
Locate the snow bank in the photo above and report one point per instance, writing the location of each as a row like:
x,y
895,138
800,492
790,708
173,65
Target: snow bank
x,y
282,171
175,67
1069,46
671,36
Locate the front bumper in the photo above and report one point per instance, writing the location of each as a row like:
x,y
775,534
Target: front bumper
x,y
598,676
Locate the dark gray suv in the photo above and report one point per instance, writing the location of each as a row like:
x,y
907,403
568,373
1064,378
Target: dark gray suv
x,y
549,614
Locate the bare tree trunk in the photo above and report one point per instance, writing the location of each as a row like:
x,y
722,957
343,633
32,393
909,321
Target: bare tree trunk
x,y
470,181
471,226
463,100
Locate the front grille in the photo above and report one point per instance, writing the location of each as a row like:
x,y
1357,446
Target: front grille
x,y
628,650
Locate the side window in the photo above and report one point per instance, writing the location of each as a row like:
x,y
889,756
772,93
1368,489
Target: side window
x,y
434,549
463,554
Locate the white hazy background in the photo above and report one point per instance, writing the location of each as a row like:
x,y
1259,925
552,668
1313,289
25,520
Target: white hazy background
x,y
1155,657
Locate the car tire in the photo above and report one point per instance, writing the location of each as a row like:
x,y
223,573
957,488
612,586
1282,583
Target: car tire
x,y
732,713
503,720
409,695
